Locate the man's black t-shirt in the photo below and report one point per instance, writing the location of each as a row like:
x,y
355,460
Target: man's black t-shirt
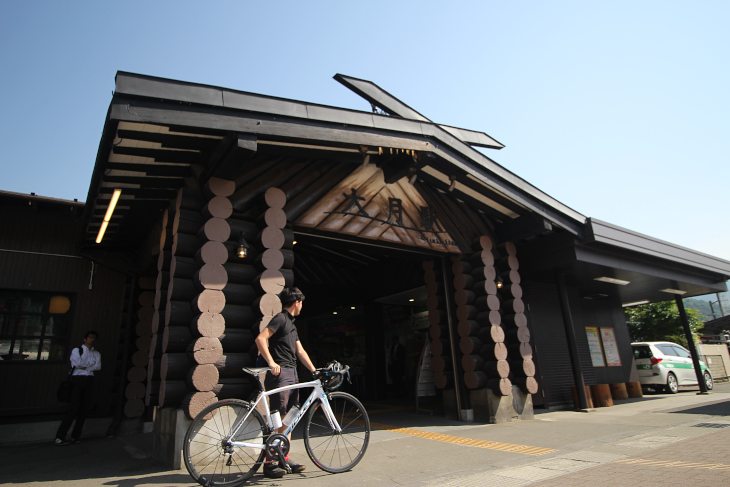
x,y
283,343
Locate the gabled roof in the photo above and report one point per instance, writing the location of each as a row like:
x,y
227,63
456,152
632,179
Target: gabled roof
x,y
160,131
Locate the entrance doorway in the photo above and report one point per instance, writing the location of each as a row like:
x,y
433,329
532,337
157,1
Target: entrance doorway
x,y
360,300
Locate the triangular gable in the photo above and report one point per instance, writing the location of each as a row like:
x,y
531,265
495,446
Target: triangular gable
x,y
363,205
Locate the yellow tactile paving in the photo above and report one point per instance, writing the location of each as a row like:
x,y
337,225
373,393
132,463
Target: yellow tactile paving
x,y
457,440
673,463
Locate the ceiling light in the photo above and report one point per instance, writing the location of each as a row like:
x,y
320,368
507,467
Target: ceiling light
x,y
352,307
635,303
411,300
673,291
620,282
107,218
334,312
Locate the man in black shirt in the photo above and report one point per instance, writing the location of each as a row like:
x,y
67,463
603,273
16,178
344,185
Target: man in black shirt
x,y
279,347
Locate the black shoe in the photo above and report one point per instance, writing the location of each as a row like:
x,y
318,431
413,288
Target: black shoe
x,y
273,471
296,467
60,442
74,441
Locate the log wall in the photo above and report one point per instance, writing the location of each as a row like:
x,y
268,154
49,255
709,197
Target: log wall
x,y
443,374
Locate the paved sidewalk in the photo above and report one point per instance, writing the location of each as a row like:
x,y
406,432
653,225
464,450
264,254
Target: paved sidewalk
x,y
660,439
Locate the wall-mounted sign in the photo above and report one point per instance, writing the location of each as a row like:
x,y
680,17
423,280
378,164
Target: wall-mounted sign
x,y
594,346
363,205
419,321
610,347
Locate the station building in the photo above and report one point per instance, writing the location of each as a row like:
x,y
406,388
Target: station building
x,y
205,201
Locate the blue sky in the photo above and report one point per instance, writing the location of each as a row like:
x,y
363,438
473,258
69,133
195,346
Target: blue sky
x,y
617,109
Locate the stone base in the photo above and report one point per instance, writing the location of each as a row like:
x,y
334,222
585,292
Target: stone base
x,y
491,408
170,428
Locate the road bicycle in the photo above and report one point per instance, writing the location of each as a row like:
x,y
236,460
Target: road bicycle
x,y
227,442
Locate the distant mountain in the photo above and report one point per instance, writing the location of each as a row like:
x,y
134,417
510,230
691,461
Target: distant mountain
x,y
703,307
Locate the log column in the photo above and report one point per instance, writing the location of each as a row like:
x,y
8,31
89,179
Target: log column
x,y
273,239
443,375
489,352
134,401
515,321
192,343
162,247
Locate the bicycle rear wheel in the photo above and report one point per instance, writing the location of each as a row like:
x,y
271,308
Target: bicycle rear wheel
x,y
337,452
210,460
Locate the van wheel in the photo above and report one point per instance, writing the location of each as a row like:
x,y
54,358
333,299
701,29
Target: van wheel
x,y
708,381
672,386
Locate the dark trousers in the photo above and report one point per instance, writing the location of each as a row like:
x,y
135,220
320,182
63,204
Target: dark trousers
x,y
82,401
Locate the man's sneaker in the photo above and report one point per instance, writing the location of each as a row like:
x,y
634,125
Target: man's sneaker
x,y
274,471
296,467
60,442
74,441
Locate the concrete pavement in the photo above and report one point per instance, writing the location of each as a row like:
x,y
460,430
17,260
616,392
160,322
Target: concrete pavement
x,y
662,439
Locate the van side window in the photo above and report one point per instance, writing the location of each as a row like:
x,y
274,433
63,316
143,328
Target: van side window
x,y
681,352
667,350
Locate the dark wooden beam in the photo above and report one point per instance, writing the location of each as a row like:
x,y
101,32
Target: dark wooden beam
x,y
143,193
182,171
529,225
159,155
231,155
172,141
151,182
488,210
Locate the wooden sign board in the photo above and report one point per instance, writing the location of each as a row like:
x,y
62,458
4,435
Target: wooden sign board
x,y
363,205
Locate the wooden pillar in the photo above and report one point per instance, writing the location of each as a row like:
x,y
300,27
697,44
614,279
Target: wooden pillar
x,y
572,345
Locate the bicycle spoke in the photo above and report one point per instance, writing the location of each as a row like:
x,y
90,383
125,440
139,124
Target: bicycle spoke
x,y
208,459
332,451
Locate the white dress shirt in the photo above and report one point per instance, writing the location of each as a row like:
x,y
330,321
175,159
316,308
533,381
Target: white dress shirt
x,y
86,363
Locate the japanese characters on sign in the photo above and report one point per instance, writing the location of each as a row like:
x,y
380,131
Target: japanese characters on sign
x,y
428,224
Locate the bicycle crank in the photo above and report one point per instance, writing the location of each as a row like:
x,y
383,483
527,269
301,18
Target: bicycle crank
x,y
277,448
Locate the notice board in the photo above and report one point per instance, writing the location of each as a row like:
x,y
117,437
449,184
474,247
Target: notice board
x,y
594,345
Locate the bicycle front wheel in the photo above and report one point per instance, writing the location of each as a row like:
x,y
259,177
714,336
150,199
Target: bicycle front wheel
x,y
209,457
337,452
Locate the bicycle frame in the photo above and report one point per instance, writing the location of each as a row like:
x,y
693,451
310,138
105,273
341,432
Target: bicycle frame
x,y
317,394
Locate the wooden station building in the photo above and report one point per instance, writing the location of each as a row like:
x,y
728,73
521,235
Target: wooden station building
x,y
390,223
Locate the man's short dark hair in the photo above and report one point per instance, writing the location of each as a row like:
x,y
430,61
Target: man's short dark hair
x,y
90,332
290,295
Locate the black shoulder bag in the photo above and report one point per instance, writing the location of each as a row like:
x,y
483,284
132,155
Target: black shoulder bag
x,y
65,389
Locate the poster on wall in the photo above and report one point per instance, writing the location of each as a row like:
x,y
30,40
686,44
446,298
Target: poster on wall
x,y
594,345
613,359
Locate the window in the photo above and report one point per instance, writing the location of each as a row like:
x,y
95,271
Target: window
x,y
681,352
33,326
667,349
642,351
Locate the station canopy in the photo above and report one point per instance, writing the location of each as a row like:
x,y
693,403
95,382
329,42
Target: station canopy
x,y
161,135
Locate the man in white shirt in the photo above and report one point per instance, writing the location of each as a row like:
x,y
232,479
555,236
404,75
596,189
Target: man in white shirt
x,y
85,361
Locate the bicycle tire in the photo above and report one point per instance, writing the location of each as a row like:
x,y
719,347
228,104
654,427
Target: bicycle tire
x,y
337,452
204,450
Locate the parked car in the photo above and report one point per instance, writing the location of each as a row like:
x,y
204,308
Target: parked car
x,y
666,366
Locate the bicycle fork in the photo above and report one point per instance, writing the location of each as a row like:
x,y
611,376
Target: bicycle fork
x,y
329,414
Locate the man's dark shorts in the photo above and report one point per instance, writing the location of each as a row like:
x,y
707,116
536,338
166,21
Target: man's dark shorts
x,y
283,401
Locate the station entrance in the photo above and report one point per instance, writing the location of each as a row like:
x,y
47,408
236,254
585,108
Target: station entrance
x,y
360,301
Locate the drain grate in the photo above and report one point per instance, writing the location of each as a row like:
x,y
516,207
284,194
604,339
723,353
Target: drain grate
x,y
711,425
